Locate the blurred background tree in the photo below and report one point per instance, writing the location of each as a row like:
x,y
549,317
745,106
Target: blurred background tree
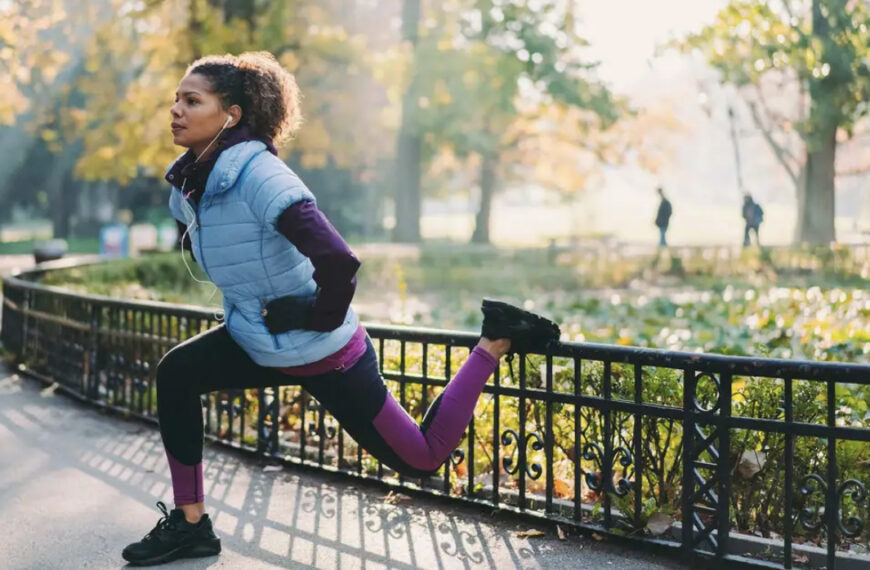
x,y
507,91
105,127
803,67
389,87
407,101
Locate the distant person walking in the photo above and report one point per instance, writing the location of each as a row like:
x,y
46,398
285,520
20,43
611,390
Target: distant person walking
x,y
663,217
753,215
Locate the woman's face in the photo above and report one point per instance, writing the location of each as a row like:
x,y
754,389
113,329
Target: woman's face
x,y
197,115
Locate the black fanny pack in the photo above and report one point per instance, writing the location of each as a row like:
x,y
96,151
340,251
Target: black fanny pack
x,y
287,313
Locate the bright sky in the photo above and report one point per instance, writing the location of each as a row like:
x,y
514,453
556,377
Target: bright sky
x,y
624,33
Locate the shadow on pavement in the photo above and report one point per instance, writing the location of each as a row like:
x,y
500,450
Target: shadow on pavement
x,y
83,485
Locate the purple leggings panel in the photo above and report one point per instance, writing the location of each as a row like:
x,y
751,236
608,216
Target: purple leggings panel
x,y
186,481
426,449
356,396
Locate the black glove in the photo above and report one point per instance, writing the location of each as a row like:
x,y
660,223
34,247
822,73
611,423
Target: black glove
x,y
287,313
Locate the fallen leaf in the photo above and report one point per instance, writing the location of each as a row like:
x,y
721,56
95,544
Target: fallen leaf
x,y
560,533
750,463
597,536
561,488
49,391
394,498
659,523
531,533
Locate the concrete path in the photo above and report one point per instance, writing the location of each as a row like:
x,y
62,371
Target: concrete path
x,y
77,485
9,263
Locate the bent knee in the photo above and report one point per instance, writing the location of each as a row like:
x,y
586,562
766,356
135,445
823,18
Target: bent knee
x,y
426,470
174,364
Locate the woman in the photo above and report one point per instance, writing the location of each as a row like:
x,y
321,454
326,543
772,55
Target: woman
x,y
287,279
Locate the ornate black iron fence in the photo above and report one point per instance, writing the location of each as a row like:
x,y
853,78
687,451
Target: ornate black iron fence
x,y
763,462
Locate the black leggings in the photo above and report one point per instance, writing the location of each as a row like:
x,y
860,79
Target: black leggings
x,y
356,397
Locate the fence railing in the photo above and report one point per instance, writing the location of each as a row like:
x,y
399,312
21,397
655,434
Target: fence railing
x,y
754,461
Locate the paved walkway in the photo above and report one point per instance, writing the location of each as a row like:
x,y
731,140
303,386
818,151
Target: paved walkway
x,y
76,485
9,263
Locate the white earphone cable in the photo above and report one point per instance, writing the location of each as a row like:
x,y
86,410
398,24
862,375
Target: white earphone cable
x,y
190,224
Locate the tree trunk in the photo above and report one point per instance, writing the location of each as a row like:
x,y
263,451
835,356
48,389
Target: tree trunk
x,y
409,144
487,189
408,202
194,27
60,211
62,188
816,194
799,186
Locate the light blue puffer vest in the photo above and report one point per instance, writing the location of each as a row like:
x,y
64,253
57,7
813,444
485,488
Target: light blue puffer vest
x,y
236,242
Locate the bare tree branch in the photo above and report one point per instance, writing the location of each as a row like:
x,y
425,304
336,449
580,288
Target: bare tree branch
x,y
782,154
777,118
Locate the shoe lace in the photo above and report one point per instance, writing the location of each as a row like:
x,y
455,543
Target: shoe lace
x,y
164,524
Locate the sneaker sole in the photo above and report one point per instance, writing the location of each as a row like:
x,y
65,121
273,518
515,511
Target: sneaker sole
x,y
545,327
211,548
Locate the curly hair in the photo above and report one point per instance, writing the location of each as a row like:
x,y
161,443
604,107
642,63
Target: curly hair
x,y
256,82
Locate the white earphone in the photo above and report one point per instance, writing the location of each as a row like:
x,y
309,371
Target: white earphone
x,y
192,222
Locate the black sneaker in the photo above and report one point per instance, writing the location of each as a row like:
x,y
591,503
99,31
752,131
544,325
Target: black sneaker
x,y
174,538
527,331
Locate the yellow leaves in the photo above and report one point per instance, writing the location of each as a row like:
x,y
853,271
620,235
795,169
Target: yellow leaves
x,y
442,93
445,162
7,37
122,118
22,75
106,153
391,68
289,61
554,146
531,533
314,135
314,159
562,488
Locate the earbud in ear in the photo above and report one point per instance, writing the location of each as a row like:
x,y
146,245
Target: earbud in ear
x,y
229,118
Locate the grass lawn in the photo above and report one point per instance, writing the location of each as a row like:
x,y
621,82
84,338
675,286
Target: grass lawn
x,y
76,245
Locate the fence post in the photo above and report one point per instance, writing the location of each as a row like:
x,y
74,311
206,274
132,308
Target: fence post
x,y
268,421
25,321
93,377
688,436
723,469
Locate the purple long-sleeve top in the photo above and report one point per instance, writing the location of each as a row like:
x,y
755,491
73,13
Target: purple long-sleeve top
x,y
335,265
